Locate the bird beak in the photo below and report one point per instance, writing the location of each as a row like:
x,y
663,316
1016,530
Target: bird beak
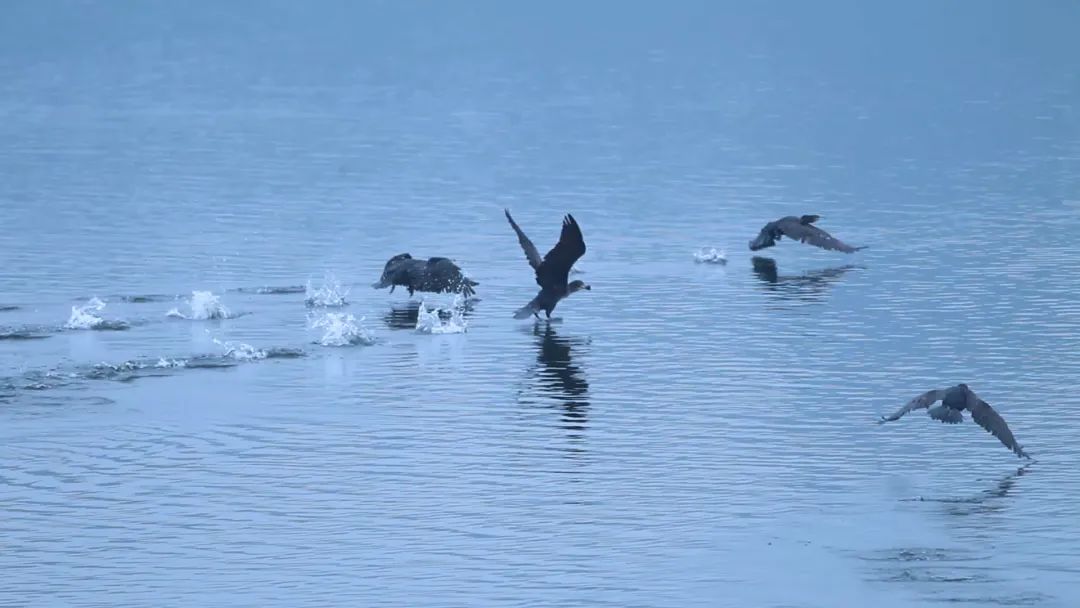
x,y
589,287
378,284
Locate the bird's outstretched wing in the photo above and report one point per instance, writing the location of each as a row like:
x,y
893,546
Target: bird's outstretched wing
x,y
988,418
812,235
922,401
555,268
442,274
531,253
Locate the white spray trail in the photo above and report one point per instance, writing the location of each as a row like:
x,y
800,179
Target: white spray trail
x,y
341,329
204,306
330,295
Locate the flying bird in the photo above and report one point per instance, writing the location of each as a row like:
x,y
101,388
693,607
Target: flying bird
x,y
799,229
956,399
435,275
553,269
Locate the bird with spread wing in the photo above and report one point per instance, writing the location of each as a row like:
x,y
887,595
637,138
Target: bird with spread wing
x,y
435,275
800,229
553,269
954,400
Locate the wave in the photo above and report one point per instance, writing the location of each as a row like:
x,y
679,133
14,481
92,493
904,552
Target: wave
x,y
22,333
147,298
432,322
270,290
204,306
85,317
342,329
233,354
330,295
710,255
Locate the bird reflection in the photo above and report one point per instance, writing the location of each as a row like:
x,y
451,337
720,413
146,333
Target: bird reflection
x,y
404,315
561,379
809,286
986,501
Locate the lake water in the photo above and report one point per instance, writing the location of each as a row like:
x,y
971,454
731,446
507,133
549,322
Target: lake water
x,y
687,435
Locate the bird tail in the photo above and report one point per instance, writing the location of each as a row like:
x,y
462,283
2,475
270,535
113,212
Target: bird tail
x,y
525,311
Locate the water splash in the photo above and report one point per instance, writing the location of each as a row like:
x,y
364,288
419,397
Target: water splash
x,y
240,351
204,306
710,255
342,329
85,317
330,295
431,322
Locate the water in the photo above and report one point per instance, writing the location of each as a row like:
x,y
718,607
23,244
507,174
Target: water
x,y
687,435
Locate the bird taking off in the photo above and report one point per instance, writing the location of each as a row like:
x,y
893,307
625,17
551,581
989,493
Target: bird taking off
x,y
801,229
553,269
436,275
954,400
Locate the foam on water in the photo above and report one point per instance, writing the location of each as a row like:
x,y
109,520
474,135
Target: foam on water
x,y
430,321
85,317
342,329
710,255
204,306
330,295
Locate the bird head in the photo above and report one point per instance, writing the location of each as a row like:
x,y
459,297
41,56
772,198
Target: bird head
x,y
388,271
764,239
577,286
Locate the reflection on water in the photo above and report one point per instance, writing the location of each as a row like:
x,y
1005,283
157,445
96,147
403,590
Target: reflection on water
x,y
562,380
810,286
986,501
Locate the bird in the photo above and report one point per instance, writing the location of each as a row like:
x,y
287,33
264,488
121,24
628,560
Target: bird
x,y
553,269
954,400
435,275
799,229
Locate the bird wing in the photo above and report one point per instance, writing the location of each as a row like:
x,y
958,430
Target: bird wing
x,y
924,400
442,274
531,253
555,268
988,418
812,235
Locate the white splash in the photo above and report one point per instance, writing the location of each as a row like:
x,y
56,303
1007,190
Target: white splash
x,y
710,255
341,329
240,351
164,363
204,306
83,317
330,295
430,322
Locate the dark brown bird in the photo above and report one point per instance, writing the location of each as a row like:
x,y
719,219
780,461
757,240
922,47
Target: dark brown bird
x,y
436,275
956,399
800,229
553,269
